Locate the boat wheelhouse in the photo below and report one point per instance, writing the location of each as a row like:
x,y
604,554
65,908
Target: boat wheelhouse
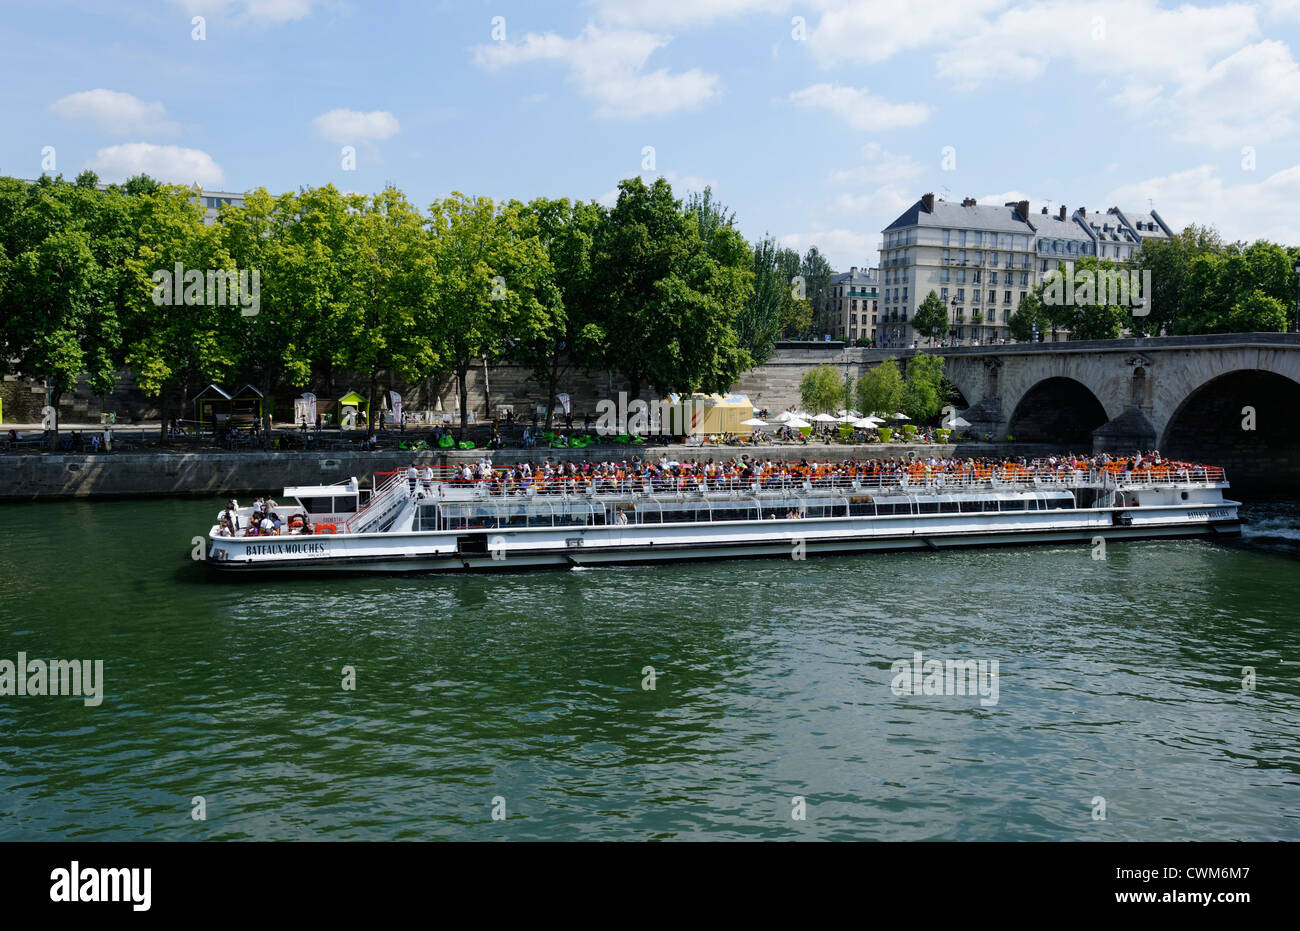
x,y
449,524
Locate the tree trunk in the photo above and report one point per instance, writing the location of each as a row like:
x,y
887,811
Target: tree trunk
x,y
266,410
551,384
462,376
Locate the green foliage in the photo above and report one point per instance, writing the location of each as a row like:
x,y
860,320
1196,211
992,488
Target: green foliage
x,y
923,389
931,317
669,296
1028,313
880,390
821,390
1199,283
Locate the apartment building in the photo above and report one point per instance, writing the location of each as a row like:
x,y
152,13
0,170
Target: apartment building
x,y
982,260
978,258
853,305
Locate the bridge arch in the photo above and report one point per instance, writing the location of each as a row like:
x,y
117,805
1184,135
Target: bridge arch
x,y
1243,419
1057,409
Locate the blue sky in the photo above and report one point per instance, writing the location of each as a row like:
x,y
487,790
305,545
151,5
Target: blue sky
x,y
816,121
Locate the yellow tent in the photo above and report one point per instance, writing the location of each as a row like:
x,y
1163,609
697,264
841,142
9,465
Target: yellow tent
x,y
700,414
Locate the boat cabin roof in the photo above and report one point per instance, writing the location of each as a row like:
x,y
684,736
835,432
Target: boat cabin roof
x,y
320,491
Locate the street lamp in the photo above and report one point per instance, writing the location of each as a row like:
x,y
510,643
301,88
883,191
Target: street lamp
x,y
954,309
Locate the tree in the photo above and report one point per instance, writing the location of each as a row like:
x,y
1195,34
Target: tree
x,y
173,346
567,231
493,284
817,274
880,390
931,317
773,309
65,245
822,390
923,389
1029,314
382,321
669,299
1256,313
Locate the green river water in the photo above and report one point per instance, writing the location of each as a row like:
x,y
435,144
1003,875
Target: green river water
x,y
524,694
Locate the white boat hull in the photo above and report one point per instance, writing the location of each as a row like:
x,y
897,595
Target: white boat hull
x,y
604,545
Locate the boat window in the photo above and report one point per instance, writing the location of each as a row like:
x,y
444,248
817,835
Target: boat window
x,y
427,517
990,504
344,505
929,507
318,505
732,513
862,508
947,507
971,507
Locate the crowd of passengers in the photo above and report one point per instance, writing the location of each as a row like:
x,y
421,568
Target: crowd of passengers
x,y
742,472
263,522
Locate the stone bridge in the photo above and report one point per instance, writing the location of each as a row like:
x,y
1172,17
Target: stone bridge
x,y
1225,398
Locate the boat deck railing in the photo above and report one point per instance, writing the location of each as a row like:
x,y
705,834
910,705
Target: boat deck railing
x,y
450,482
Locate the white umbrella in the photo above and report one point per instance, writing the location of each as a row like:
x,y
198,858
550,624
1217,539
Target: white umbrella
x,y
797,424
784,417
959,422
847,418
900,416
823,418
753,422
866,423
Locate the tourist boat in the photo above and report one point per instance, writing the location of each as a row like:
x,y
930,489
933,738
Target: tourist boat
x,y
448,525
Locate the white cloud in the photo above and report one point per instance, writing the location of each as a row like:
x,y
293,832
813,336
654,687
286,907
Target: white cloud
x,y
1006,197
860,108
163,162
270,12
854,32
842,247
879,167
1285,9
1247,210
354,126
1248,97
669,13
114,112
608,66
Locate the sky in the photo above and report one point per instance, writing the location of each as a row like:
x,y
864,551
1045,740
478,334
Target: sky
x,y
817,122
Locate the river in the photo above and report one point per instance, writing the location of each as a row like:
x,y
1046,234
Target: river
x,y
770,694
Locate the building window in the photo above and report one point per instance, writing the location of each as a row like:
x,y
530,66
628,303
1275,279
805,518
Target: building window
x,y
943,276
961,294
961,276
993,297
975,277
943,294
961,237
1006,297
947,234
946,257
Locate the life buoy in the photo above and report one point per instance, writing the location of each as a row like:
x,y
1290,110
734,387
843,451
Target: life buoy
x,y
327,528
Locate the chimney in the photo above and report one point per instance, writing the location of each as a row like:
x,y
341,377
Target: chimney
x,y
1022,209
1044,211
1083,211
1062,211
968,202
927,200
853,269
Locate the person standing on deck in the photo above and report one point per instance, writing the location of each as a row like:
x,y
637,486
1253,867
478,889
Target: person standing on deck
x,y
426,475
411,478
